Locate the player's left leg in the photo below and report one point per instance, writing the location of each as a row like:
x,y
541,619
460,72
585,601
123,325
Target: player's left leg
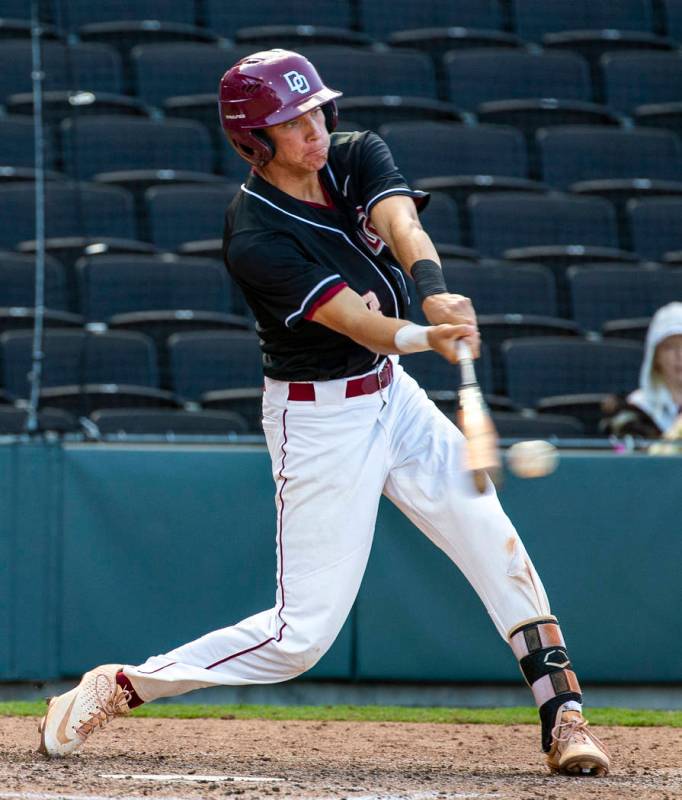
x,y
428,484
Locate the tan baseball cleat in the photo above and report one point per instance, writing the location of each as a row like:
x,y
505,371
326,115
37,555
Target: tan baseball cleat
x,y
575,749
73,716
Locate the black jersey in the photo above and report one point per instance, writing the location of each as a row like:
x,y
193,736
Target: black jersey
x,y
289,257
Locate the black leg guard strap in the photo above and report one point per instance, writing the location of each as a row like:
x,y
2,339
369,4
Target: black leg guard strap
x,y
541,651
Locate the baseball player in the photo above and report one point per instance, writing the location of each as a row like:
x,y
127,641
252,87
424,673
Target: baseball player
x,y
322,238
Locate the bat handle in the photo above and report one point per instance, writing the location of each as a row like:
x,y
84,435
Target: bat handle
x,y
466,362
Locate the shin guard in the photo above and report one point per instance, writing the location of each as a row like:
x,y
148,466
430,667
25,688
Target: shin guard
x,y
546,667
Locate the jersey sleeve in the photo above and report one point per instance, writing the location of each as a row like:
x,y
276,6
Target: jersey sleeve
x,y
287,284
379,177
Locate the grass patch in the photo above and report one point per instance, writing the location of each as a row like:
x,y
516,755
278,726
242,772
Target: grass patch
x,y
494,716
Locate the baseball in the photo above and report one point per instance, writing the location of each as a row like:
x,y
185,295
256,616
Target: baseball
x,y
532,459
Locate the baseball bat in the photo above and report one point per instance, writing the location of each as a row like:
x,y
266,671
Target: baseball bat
x,y
481,455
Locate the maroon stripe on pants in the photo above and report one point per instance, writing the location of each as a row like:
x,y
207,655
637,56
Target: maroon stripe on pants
x,y
280,539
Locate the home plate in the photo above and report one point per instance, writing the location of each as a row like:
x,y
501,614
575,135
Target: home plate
x,y
196,778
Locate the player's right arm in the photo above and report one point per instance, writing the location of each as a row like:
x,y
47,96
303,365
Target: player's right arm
x,y
347,314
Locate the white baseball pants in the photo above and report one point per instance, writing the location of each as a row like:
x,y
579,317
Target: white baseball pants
x,y
332,458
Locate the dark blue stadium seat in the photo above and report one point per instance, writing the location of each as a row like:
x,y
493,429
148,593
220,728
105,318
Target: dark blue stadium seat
x,y
207,361
499,288
13,420
656,226
539,368
186,68
71,209
227,18
17,282
440,219
16,9
180,214
426,149
505,221
434,374
358,72
122,423
516,425
94,67
672,11
481,76
72,14
580,153
378,20
600,294
95,144
534,18
635,79
112,285
60,104
79,357
372,111
17,147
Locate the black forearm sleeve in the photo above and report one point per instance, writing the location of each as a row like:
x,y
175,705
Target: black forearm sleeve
x,y
428,278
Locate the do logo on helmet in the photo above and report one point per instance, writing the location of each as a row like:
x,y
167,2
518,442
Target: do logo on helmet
x,y
297,82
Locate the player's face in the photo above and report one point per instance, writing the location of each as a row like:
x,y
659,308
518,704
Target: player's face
x,y
669,360
302,143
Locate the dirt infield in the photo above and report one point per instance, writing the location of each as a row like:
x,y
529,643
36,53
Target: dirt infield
x,y
377,761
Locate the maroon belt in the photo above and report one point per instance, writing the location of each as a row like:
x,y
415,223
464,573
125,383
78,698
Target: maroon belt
x,y
354,388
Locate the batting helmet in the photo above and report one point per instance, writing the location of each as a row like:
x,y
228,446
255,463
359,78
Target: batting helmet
x,y
265,89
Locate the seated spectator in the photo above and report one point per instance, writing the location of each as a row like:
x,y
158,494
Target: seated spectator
x,y
652,410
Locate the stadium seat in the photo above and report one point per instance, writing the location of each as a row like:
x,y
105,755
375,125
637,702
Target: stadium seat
x,y
655,226
535,18
498,328
248,403
357,72
574,154
96,68
17,148
433,373
600,294
73,14
207,361
13,421
481,76
504,221
635,79
635,328
180,214
124,423
83,371
71,209
63,104
537,368
186,68
440,219
499,288
17,282
111,285
16,10
105,144
227,18
516,425
405,15
293,37
672,12
587,407
373,111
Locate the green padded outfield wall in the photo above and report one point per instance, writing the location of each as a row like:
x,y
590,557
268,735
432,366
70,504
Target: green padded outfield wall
x,y
116,552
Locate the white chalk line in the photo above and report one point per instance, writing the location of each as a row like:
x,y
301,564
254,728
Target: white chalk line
x,y
174,778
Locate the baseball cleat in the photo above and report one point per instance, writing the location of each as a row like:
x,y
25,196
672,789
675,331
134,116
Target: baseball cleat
x,y
73,716
575,749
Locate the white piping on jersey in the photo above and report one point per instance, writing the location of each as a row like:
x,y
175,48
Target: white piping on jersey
x,y
394,190
309,295
345,186
333,230
331,175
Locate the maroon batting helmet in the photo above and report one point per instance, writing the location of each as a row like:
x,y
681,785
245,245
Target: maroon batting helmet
x,y
265,89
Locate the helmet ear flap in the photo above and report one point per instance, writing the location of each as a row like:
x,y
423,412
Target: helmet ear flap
x,y
331,115
267,143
